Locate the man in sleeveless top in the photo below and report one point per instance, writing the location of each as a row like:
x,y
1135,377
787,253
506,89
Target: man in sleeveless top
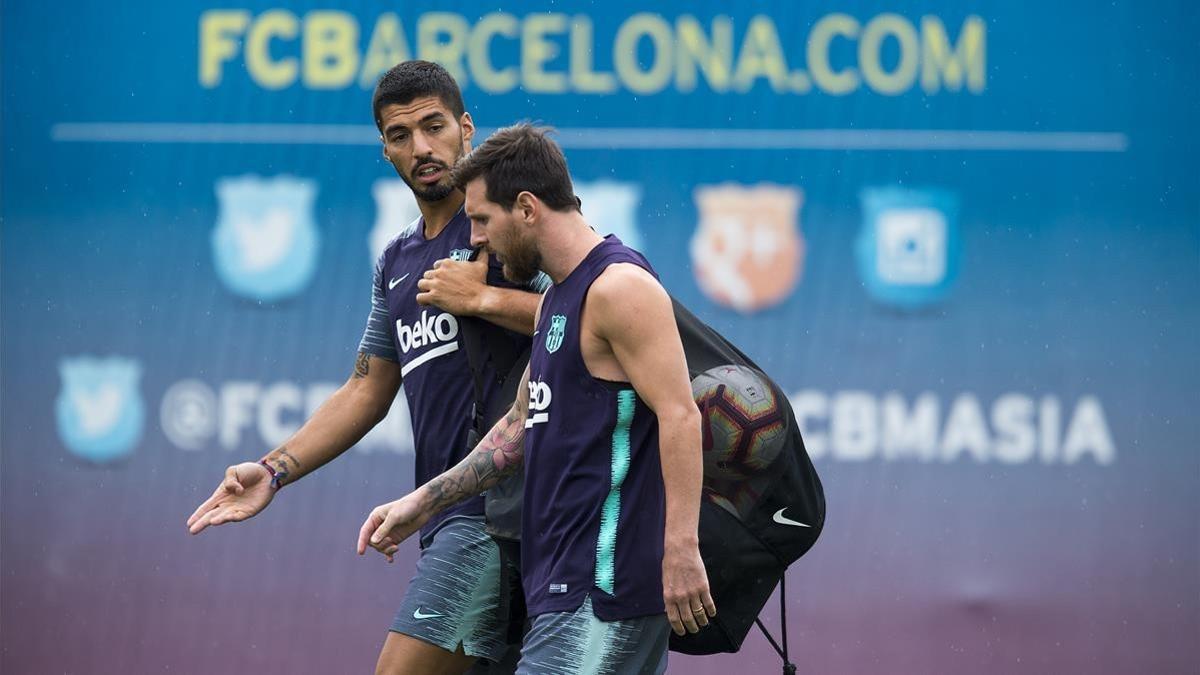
x,y
604,425
423,288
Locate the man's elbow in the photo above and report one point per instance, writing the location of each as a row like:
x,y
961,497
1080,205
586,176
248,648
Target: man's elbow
x,y
684,416
380,411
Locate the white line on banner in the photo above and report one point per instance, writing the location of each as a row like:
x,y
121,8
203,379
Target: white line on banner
x,y
616,138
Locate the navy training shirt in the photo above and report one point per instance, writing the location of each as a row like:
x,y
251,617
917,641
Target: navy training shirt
x,y
427,343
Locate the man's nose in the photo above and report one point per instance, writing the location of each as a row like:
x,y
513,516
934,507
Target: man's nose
x,y
478,235
421,145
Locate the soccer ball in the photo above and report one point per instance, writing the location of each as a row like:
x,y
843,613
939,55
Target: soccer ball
x,y
743,428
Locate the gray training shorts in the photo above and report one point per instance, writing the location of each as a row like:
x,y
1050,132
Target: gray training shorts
x,y
454,597
577,643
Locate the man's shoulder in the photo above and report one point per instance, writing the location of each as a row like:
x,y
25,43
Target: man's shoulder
x,y
623,277
622,288
396,243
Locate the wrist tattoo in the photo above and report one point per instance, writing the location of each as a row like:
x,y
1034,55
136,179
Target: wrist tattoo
x,y
289,456
279,459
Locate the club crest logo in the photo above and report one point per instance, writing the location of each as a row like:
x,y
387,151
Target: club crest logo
x,y
99,410
908,247
460,254
265,243
554,336
396,212
748,250
611,207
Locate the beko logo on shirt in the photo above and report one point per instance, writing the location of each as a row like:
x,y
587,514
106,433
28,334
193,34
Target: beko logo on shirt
x,y
426,331
539,402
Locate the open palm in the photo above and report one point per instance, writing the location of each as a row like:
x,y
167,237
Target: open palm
x,y
245,491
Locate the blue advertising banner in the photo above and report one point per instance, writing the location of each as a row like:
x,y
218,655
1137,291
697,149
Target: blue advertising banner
x,y
964,237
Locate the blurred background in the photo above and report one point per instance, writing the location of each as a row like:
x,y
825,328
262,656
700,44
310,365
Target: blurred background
x,y
964,236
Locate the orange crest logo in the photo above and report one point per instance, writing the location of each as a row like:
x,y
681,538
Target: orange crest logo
x,y
748,252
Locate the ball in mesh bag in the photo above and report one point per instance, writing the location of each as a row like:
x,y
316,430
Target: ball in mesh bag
x,y
743,427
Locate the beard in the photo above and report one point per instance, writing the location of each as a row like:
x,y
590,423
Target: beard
x,y
439,190
522,260
431,193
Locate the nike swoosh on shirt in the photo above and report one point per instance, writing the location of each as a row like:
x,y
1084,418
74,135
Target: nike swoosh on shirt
x,y
421,615
787,521
393,282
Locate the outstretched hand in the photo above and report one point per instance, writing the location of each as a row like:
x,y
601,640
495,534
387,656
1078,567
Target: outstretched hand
x,y
245,491
390,524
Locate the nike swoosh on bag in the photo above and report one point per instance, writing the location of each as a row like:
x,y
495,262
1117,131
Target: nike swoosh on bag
x,y
787,521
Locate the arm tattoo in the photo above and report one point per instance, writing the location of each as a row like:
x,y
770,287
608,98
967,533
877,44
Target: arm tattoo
x,y
283,452
279,458
500,454
362,365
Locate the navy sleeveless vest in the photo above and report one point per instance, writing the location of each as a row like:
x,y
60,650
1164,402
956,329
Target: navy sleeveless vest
x,y
594,500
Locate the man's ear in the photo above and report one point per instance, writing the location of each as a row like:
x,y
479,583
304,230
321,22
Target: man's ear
x,y
528,207
468,130
384,150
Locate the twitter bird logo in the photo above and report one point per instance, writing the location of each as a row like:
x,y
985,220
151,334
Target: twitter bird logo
x,y
266,240
99,410
612,208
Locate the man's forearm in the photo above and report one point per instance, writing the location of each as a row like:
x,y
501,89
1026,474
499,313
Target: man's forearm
x,y
500,454
508,308
335,427
683,473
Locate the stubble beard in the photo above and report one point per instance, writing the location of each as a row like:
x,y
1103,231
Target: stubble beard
x,y
439,190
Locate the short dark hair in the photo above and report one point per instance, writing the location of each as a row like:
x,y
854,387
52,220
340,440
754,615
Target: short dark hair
x,y
517,159
410,80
